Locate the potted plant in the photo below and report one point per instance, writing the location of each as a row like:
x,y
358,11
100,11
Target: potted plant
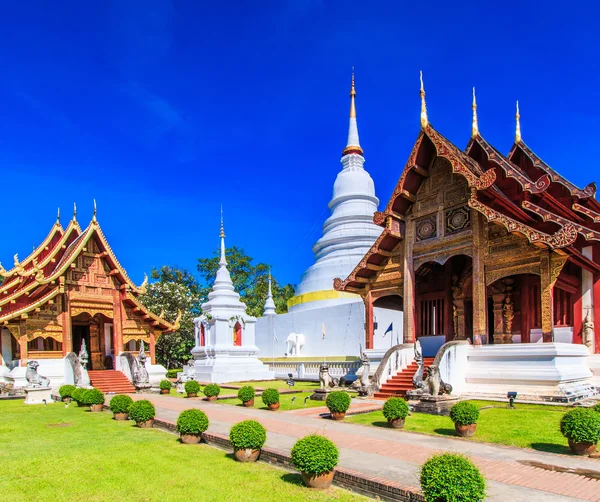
x,y
66,392
143,413
94,399
77,396
395,410
271,398
247,439
449,476
120,405
212,391
338,403
165,386
465,416
192,388
246,396
190,425
315,457
581,427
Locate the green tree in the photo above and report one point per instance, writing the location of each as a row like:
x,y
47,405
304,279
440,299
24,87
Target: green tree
x,y
250,281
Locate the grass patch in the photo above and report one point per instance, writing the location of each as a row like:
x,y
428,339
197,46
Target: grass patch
x,y
287,402
275,384
526,426
99,459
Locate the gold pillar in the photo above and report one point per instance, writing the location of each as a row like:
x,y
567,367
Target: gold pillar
x,y
547,293
409,285
480,334
498,317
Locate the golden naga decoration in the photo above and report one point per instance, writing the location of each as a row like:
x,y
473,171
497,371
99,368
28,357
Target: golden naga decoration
x,y
177,323
143,288
18,267
3,272
162,313
475,123
424,119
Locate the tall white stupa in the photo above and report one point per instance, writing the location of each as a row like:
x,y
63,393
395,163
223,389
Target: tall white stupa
x,y
349,231
320,320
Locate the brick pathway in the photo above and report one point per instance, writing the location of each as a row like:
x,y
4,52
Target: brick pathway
x,y
394,456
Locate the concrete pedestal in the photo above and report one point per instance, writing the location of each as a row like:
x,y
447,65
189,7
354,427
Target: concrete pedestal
x,y
436,405
37,395
320,394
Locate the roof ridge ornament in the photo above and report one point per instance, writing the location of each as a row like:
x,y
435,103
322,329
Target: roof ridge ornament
x,y
94,218
424,119
74,211
58,217
475,123
518,125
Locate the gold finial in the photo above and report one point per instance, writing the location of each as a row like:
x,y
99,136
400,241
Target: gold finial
x,y
94,219
222,234
475,124
58,216
424,120
74,211
352,95
143,288
518,128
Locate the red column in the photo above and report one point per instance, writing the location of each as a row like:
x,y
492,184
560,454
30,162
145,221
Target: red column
x,y
152,348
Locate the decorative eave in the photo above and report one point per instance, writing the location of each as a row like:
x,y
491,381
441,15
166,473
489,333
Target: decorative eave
x,y
587,233
588,192
592,215
32,306
160,323
561,239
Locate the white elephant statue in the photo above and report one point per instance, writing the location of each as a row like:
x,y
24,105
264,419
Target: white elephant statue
x,y
295,342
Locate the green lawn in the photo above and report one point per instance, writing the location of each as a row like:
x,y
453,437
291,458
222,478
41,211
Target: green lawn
x,y
53,453
285,401
276,384
526,426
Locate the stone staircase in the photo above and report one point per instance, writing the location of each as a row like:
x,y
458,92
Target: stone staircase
x,y
399,384
110,381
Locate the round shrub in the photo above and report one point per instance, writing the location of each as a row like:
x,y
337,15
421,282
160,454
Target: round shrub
x,y
66,391
192,387
173,373
92,397
212,390
314,454
165,385
270,396
246,394
142,411
338,401
120,403
464,413
192,422
77,395
395,408
451,477
248,434
581,425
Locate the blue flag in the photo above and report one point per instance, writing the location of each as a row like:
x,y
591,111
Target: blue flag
x,y
389,330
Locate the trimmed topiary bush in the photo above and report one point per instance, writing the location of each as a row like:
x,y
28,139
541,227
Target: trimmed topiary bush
x,y
338,401
212,390
142,411
92,397
246,394
77,395
450,477
120,403
165,385
464,413
66,391
581,425
270,396
395,408
173,373
248,434
314,454
192,387
192,422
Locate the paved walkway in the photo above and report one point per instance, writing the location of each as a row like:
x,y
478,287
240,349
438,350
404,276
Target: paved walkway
x,y
393,455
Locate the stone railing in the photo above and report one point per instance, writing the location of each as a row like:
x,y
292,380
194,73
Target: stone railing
x,y
395,360
309,370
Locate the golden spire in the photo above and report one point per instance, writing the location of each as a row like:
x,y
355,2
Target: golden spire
x,y
222,233
94,219
475,124
74,211
518,128
352,95
424,120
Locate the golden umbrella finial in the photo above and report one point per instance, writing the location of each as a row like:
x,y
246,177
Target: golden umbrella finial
x,y
518,128
424,119
475,124
222,233
352,96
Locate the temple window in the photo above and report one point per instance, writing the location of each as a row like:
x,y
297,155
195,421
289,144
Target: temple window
x,y
237,334
40,344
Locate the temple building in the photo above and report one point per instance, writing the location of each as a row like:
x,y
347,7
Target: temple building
x,y
71,289
331,322
498,249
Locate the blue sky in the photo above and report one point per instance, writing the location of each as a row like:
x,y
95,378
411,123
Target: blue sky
x,y
164,110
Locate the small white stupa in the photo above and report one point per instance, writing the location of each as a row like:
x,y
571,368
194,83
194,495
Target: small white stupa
x,y
225,349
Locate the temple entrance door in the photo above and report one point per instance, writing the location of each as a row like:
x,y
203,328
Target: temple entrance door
x,y
81,333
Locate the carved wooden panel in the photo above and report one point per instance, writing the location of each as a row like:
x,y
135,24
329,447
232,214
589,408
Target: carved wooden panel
x,y
458,219
426,228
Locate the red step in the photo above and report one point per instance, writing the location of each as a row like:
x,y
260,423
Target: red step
x,y
400,384
110,381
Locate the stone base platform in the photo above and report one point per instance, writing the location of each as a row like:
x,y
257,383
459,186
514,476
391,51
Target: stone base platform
x,y
38,395
435,405
320,394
